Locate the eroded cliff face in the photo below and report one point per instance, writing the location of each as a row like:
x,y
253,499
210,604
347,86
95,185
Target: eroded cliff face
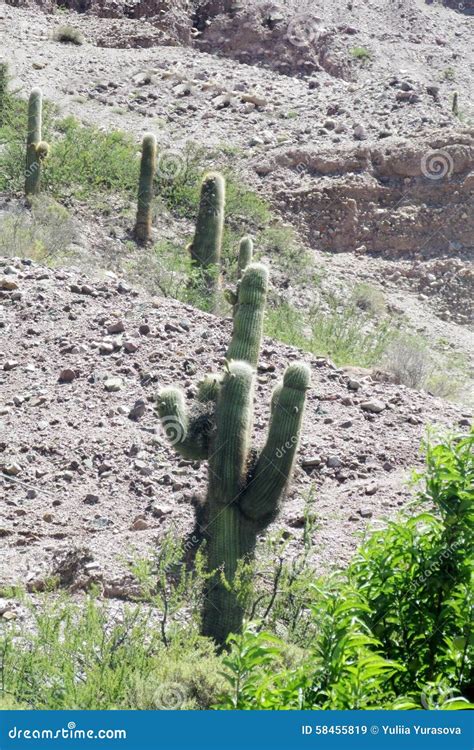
x,y
411,197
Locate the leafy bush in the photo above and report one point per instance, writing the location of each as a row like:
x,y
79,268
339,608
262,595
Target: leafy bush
x,y
396,630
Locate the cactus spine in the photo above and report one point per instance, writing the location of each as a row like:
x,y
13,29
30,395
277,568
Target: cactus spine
x,y
36,149
145,190
206,246
244,489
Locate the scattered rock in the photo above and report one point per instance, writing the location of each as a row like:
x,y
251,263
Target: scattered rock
x,y
113,384
67,376
374,406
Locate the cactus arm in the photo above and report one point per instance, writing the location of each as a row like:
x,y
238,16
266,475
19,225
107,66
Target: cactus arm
x,y
188,436
33,140
245,255
260,500
145,190
249,315
206,246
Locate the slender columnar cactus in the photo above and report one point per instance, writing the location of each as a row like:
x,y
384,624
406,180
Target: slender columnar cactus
x,y
36,149
3,89
245,488
455,105
245,255
206,246
145,190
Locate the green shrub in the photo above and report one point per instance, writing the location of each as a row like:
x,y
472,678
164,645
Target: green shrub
x,y
68,35
361,53
396,630
345,333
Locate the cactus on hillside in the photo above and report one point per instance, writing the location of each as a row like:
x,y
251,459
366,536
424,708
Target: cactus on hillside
x,y
36,149
145,190
455,105
206,246
245,487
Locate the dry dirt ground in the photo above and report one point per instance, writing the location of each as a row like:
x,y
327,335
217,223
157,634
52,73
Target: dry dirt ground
x,y
341,115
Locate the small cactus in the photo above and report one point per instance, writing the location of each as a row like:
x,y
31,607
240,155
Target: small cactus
x,y
455,105
145,190
206,246
245,487
36,149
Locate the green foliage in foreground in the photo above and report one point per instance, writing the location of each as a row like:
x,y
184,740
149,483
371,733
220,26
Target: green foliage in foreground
x,y
393,631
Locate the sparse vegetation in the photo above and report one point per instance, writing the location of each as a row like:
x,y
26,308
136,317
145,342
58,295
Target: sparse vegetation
x,y
68,35
345,333
392,631
361,53
45,233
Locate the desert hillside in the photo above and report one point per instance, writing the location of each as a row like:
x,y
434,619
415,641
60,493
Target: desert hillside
x,y
344,134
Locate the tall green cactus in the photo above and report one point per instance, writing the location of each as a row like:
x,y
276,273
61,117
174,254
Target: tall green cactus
x,y
36,149
244,488
206,246
145,190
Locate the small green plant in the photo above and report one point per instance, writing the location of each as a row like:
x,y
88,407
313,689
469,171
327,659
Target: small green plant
x,y
361,53
68,35
369,298
449,74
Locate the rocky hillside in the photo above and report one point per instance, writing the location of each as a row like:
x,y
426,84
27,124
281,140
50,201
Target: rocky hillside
x,y
88,478
343,117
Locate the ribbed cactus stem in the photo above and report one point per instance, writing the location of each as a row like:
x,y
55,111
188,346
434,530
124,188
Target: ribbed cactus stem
x,y
144,217
245,255
260,500
36,149
249,314
206,246
243,495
